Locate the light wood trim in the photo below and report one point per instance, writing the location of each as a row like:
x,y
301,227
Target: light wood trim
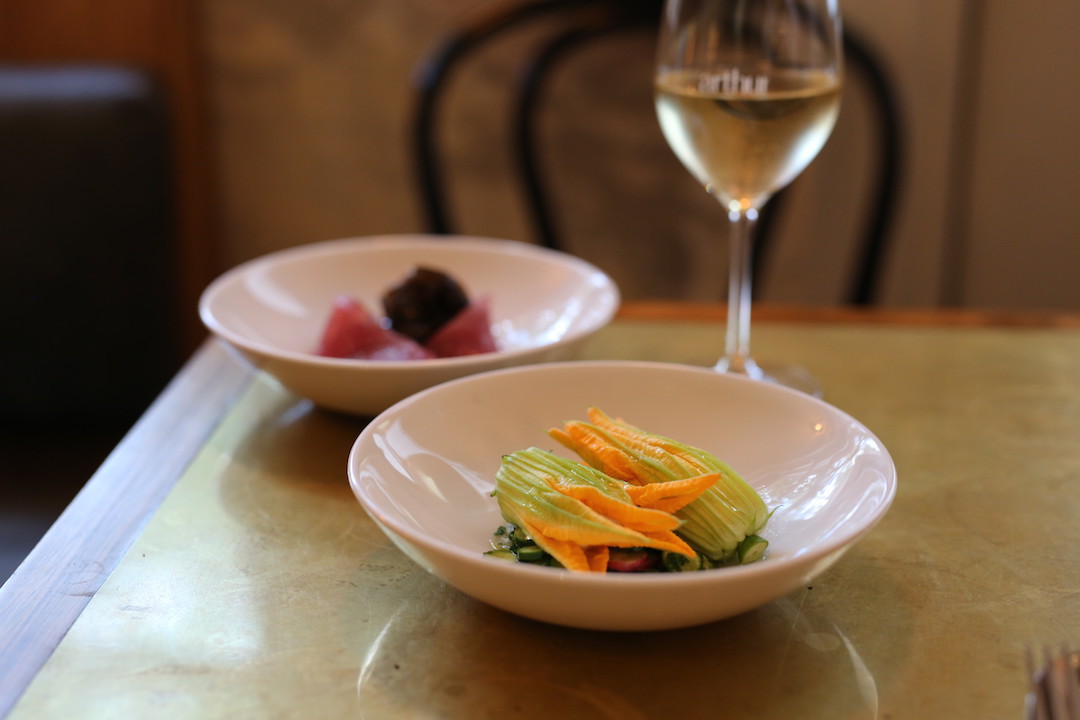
x,y
48,591
931,317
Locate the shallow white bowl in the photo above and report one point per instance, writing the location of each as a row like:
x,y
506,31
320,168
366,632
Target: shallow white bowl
x,y
544,306
424,471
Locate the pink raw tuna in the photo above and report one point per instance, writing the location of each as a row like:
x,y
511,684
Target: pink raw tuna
x,y
467,333
351,332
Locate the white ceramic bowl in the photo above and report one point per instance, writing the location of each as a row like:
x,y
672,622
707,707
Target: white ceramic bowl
x,y
424,470
544,306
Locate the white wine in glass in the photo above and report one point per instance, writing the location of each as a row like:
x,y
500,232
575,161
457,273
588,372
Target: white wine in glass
x,y
747,93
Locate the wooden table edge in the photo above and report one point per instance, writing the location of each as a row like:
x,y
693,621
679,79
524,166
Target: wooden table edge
x,y
46,594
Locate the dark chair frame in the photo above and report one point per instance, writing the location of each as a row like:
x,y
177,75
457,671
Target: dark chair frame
x,y
582,21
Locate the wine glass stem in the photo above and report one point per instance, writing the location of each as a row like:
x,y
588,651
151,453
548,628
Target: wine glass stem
x,y
737,348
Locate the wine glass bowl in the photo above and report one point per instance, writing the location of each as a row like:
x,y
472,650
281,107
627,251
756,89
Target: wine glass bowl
x,y
747,93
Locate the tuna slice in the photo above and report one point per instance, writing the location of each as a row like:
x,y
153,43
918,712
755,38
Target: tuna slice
x,y
352,332
467,333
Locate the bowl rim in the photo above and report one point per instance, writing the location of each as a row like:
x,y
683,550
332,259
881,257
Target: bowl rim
x,y
836,543
467,243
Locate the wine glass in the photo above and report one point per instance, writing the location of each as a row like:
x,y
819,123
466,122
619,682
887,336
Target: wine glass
x,y
747,93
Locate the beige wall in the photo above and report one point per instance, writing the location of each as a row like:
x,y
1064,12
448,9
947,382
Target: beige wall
x,y
1023,240
311,103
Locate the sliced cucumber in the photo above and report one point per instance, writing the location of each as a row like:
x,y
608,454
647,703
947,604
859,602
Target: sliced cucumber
x,y
752,548
531,553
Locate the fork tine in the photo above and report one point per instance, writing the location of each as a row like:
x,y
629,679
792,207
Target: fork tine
x,y
1061,684
1054,684
1072,685
1036,703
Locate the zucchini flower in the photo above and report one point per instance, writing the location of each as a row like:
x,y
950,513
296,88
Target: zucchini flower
x,y
576,513
722,524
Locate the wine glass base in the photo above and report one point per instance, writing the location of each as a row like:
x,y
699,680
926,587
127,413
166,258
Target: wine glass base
x,y
792,376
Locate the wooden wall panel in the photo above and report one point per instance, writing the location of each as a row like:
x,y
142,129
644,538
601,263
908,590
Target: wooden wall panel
x,y
162,36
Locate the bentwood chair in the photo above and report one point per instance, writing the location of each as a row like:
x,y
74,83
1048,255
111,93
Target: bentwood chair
x,y
570,25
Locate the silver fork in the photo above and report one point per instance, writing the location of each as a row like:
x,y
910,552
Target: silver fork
x,y
1055,685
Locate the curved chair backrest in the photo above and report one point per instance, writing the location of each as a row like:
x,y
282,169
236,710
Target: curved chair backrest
x,y
578,23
